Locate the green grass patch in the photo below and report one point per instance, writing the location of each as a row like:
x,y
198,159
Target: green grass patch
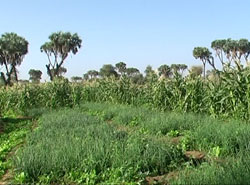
x,y
72,146
200,132
231,171
100,143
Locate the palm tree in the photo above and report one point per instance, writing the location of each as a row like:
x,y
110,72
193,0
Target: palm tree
x,y
165,70
204,55
13,48
61,44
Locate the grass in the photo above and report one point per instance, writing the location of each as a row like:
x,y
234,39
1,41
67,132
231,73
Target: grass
x,y
226,140
235,171
98,143
203,132
69,141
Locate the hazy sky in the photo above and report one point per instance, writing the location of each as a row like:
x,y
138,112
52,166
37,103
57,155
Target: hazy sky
x,y
137,32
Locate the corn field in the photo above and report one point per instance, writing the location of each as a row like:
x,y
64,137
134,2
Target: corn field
x,y
228,96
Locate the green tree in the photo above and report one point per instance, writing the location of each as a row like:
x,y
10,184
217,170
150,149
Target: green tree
x,y
108,70
235,49
61,44
93,74
219,46
204,55
178,69
121,67
175,68
131,71
86,76
61,71
135,75
165,71
138,79
35,75
151,75
244,48
183,67
149,72
13,48
195,71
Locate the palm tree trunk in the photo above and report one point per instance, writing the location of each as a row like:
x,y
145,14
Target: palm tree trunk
x,y
15,73
49,73
204,70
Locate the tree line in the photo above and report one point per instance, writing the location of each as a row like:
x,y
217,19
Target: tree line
x,y
232,54
121,70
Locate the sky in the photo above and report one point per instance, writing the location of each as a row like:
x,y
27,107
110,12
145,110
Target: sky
x,y
137,32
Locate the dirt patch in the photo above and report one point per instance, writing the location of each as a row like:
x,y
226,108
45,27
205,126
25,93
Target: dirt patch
x,y
176,140
195,155
6,178
163,179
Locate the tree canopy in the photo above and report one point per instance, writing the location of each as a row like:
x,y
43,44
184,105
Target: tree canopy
x,y
165,71
13,48
108,70
195,71
121,67
205,56
93,73
131,71
35,75
233,51
61,44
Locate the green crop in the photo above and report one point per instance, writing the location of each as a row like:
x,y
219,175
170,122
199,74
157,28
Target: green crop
x,y
71,145
227,97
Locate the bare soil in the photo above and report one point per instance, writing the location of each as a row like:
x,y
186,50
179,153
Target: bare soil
x,y
195,155
163,179
6,178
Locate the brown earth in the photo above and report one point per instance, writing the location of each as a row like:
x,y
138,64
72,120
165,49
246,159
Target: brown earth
x,y
6,178
176,140
163,179
195,155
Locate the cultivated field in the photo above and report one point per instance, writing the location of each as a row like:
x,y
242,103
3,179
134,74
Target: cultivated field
x,y
178,131
106,143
